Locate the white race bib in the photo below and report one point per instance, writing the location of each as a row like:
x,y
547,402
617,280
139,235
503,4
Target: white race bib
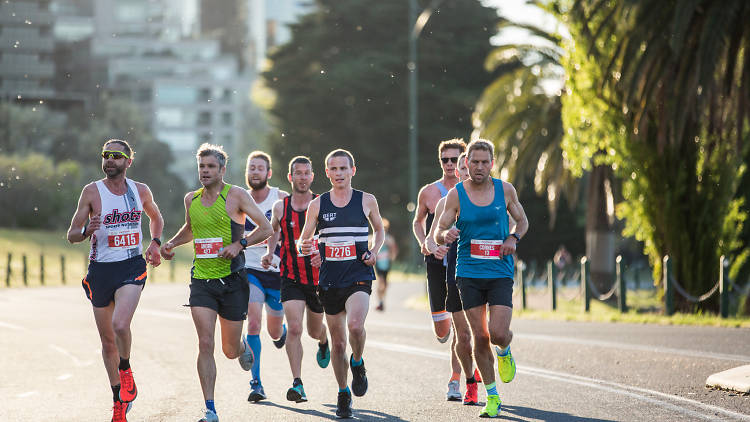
x,y
123,239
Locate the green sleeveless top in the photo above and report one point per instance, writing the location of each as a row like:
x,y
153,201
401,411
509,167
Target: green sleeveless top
x,y
213,229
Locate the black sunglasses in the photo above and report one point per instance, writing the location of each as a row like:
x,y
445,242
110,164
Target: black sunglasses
x,y
451,159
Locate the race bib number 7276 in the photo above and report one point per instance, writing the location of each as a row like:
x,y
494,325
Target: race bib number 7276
x,y
341,251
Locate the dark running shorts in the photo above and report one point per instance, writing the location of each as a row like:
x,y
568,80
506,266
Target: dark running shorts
x,y
436,288
334,299
383,274
104,278
291,290
478,291
453,299
228,296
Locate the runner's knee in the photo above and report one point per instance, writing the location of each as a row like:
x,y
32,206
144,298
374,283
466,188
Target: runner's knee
x,y
294,329
338,347
206,345
481,340
356,327
253,326
501,338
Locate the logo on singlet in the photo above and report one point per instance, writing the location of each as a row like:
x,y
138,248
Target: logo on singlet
x,y
329,216
116,217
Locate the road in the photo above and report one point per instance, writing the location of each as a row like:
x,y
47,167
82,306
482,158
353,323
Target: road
x,y
51,368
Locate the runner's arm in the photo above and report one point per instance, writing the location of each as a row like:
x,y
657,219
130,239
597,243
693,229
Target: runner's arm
x,y
373,214
184,235
516,211
78,222
155,223
438,250
308,230
420,215
278,209
446,233
248,207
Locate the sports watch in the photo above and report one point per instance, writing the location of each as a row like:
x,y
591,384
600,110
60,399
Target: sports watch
x,y
243,243
518,238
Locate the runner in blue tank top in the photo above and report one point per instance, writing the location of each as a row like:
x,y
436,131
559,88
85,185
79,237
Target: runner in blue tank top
x,y
484,269
343,216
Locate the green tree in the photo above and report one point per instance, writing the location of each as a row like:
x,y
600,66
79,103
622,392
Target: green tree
x,y
659,89
341,81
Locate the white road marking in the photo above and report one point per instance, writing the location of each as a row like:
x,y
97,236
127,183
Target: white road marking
x,y
12,326
63,377
612,387
76,361
27,394
165,314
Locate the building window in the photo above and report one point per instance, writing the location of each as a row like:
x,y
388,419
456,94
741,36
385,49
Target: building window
x,y
226,96
226,118
205,137
204,95
204,118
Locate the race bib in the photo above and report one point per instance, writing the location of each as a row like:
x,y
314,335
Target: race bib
x,y
124,239
314,246
208,247
485,249
341,251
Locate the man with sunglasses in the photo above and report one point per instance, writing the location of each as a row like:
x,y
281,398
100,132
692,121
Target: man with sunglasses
x,y
117,270
436,263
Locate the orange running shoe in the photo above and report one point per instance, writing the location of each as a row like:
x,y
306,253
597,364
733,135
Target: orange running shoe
x,y
472,396
118,412
128,392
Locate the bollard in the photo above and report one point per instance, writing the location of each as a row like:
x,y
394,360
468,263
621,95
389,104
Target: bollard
x,y
8,271
62,268
621,301
585,284
724,287
41,269
668,288
25,271
551,284
523,285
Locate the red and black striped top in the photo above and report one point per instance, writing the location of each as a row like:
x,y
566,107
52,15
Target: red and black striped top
x,y
294,267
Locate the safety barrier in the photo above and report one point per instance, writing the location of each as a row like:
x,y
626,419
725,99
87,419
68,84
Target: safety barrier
x,y
724,285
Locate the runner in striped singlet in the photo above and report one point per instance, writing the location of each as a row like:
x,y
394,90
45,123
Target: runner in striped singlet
x,y
214,220
299,274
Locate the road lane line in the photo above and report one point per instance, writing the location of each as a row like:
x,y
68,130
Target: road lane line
x,y
63,377
588,342
164,314
76,361
27,394
613,387
12,326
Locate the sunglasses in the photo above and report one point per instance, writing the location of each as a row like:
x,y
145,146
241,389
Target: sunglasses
x,y
451,159
114,155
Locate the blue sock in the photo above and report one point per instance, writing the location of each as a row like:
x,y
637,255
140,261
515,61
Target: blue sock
x,y
210,405
342,390
254,342
491,389
502,352
357,363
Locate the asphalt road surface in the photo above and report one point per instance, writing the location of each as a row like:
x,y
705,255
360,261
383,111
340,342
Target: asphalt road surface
x,y
51,368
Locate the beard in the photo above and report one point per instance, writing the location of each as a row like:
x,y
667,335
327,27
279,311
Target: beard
x,y
113,171
257,185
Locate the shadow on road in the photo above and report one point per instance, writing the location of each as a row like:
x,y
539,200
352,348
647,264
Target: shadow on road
x,y
360,414
542,415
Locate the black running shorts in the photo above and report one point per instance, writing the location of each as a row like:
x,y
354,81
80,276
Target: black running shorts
x,y
291,290
436,288
228,296
104,278
453,299
479,291
334,299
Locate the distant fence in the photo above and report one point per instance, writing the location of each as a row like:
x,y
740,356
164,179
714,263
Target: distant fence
x,y
553,278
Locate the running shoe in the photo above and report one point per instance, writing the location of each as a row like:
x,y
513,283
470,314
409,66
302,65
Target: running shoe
x,y
380,307
119,409
323,356
344,405
472,396
454,391
246,358
296,394
128,392
280,342
477,375
359,378
506,366
492,408
256,392
209,417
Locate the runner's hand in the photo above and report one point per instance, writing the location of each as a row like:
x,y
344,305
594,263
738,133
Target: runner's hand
x,y
369,258
441,251
152,254
509,246
306,247
425,248
267,261
316,260
94,223
451,235
166,251
230,251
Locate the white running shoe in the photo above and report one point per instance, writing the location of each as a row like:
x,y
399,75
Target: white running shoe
x,y
454,391
246,358
210,417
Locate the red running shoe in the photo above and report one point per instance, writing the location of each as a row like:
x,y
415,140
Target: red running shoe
x,y
128,392
477,376
472,397
118,412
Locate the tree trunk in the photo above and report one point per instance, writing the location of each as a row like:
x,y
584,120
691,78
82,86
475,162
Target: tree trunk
x,y
600,235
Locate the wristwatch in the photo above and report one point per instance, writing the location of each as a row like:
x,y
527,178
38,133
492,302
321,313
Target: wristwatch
x,y
243,243
157,240
518,238
83,230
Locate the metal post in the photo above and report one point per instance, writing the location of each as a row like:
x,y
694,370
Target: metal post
x,y
8,270
522,282
41,269
621,301
668,288
585,284
62,268
413,119
25,271
551,284
724,287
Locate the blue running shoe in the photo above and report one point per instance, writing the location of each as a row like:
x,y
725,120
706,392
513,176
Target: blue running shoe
x,y
256,392
324,355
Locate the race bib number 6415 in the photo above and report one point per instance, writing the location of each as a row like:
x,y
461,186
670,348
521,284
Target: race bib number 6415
x,y
124,239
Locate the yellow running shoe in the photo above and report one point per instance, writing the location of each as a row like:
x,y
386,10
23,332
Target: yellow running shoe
x,y
506,366
492,408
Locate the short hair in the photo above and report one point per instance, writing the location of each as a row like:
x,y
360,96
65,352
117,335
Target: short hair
x,y
455,143
300,159
340,153
124,144
216,151
259,154
482,145
461,157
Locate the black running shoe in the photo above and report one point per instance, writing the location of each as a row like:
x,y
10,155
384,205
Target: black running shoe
x,y
359,378
344,405
282,340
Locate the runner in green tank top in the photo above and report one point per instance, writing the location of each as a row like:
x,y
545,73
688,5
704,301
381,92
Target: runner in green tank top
x,y
214,220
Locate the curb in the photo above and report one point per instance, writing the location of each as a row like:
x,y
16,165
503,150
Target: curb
x,y
735,379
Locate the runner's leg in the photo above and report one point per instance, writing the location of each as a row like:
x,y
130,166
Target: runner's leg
x,y
499,325
231,333
482,352
315,327
254,318
357,306
294,311
205,323
110,354
126,300
337,327
462,333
